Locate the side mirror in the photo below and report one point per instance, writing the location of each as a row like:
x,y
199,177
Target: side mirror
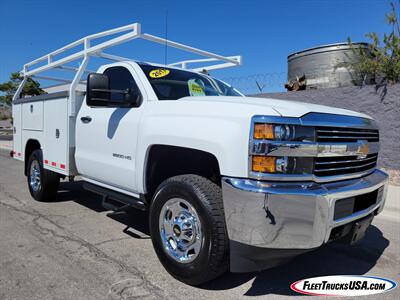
x,y
98,93
96,89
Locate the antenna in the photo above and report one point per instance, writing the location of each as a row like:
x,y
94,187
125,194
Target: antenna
x,y
166,37
260,86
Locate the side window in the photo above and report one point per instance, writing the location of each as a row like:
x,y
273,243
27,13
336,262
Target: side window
x,y
121,79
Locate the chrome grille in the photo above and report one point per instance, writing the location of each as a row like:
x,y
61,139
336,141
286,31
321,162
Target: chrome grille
x,y
342,134
343,147
339,165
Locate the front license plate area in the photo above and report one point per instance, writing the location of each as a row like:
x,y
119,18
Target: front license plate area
x,y
358,230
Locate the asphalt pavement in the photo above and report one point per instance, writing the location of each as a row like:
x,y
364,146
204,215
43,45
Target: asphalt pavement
x,y
73,249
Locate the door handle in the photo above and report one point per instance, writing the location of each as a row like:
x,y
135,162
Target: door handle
x,y
86,119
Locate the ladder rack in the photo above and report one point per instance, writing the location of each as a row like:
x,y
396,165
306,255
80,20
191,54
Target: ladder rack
x,y
128,33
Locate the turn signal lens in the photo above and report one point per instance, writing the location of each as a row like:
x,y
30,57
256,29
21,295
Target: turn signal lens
x,y
264,164
263,131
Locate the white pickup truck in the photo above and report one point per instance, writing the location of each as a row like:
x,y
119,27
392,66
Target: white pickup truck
x,y
230,182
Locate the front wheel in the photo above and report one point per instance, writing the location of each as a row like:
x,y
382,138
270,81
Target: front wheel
x,y
188,231
43,184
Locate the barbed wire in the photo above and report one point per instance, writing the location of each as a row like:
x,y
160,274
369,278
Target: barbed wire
x,y
321,77
258,82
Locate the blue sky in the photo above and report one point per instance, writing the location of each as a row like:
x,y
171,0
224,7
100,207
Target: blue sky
x,y
264,32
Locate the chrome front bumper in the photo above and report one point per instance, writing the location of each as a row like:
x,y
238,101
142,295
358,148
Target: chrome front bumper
x,y
292,215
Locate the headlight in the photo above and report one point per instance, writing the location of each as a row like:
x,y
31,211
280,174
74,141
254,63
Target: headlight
x,y
270,141
283,132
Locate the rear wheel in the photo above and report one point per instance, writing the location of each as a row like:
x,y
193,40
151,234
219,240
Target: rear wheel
x,y
43,184
188,230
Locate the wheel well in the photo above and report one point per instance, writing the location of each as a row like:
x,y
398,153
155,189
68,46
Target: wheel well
x,y
167,161
31,145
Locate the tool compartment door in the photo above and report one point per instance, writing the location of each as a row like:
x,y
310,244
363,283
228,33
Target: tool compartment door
x,y
17,128
55,151
32,113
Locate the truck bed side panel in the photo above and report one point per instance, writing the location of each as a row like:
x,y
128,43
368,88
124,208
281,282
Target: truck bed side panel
x,y
45,119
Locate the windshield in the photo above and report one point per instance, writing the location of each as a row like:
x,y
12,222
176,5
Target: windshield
x,y
173,84
226,89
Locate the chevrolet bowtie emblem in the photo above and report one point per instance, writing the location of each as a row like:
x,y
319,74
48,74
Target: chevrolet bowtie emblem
x,y
363,150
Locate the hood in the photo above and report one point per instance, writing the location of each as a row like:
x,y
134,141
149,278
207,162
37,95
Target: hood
x,y
285,108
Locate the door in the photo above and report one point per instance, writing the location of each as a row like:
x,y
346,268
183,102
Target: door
x,y
106,136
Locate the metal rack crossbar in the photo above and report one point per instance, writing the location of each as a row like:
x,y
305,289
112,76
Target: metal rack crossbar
x,y
183,64
128,33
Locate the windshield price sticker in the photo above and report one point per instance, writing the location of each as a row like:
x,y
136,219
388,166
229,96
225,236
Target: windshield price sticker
x,y
195,89
158,73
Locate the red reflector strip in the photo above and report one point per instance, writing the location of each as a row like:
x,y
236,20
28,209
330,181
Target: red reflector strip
x,y
54,164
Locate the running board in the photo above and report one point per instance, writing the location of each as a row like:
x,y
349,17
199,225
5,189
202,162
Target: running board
x,y
115,201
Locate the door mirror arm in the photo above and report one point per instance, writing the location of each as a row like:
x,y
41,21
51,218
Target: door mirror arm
x,y
133,99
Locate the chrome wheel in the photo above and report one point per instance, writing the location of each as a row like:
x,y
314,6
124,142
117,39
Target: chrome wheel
x,y
180,230
34,176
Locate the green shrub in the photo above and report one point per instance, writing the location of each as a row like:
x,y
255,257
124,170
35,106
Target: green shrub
x,y
382,59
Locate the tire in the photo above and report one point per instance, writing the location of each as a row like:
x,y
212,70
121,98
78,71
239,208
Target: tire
x,y
204,201
49,181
